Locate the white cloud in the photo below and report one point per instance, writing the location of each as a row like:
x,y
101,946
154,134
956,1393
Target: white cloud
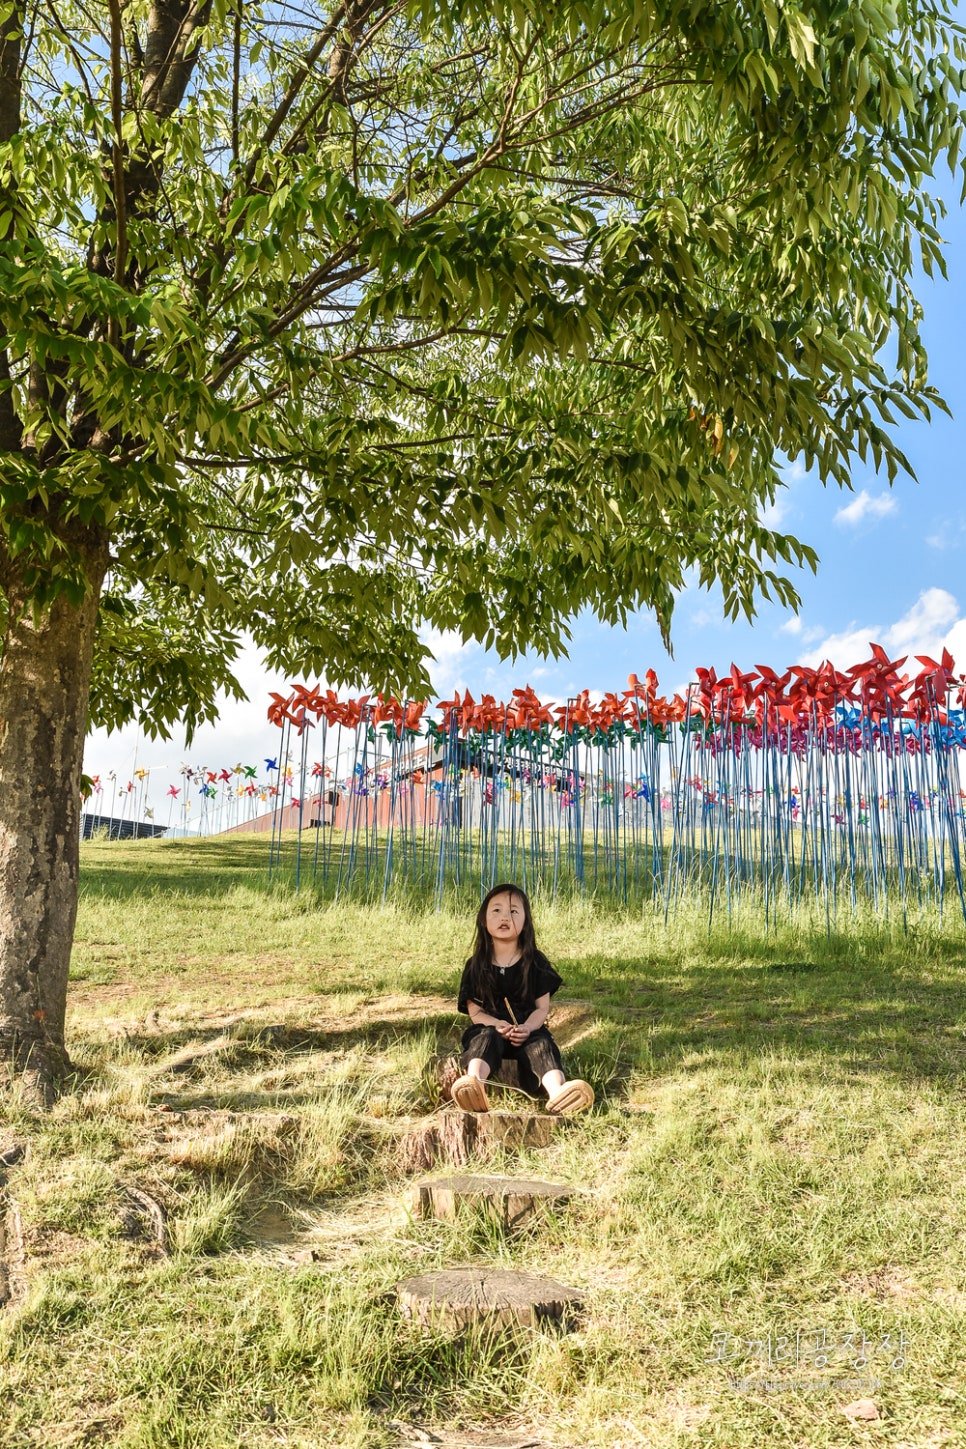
x,y
452,658
703,618
794,472
863,506
775,513
955,642
932,624
927,624
796,626
241,733
949,534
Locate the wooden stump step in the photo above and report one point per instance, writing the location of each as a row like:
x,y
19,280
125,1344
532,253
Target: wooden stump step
x,y
454,1137
511,1200
459,1297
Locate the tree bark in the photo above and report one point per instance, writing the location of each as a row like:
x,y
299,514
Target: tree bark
x,y
45,673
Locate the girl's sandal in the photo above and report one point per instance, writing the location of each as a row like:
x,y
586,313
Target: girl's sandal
x,y
469,1094
575,1096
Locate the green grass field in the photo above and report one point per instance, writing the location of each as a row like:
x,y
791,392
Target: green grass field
x,y
778,1148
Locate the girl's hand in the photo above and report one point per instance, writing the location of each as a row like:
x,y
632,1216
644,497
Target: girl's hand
x,y
506,1028
518,1034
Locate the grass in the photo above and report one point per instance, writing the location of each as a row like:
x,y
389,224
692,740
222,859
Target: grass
x,y
778,1147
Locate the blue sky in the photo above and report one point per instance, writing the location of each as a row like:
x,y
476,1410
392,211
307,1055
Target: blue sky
x,y
891,570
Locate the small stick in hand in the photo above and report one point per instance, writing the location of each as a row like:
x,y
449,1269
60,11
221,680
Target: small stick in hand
x,y
506,1003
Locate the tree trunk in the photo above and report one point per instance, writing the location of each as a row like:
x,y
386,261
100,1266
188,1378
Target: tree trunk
x,y
45,673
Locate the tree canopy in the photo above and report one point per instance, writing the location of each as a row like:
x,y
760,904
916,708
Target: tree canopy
x,y
332,320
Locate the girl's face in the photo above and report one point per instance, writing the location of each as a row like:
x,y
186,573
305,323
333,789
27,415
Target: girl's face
x,y
505,918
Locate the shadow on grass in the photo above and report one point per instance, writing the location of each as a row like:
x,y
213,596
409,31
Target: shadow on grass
x,y
827,1023
863,997
265,1044
119,870
825,1016
180,1062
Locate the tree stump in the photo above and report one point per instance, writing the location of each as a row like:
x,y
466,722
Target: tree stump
x,y
453,1136
460,1297
511,1200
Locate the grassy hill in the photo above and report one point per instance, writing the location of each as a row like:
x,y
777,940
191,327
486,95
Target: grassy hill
x,y
203,1236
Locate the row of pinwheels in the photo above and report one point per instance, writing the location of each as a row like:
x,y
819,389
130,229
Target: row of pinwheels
x,y
870,696
813,780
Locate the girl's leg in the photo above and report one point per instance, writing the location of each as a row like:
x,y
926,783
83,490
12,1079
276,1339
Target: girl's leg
x,y
482,1054
482,1051
543,1059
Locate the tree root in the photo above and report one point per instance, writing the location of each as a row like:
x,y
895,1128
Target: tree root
x,y
145,1208
39,1066
185,1059
12,1277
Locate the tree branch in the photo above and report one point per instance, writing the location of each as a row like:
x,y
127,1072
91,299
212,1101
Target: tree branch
x,y
169,58
235,76
11,29
117,149
11,435
301,75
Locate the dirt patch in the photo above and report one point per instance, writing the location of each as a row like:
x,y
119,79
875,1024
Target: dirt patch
x,y
273,1228
883,1283
296,1236
685,1416
571,1021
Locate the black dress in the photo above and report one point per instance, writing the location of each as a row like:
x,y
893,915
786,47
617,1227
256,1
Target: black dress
x,y
536,1056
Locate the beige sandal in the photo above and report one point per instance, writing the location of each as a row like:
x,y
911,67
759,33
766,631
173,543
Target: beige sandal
x,y
575,1096
469,1094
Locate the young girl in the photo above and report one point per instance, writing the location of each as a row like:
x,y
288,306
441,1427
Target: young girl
x,y
506,989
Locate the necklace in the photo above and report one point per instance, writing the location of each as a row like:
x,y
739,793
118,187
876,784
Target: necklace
x,y
508,964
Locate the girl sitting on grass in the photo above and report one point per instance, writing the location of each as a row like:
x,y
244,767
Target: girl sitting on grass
x,y
506,989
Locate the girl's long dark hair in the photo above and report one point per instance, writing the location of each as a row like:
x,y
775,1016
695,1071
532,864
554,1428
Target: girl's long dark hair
x,y
481,981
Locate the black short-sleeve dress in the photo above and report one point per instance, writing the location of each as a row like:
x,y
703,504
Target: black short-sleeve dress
x,y
536,1056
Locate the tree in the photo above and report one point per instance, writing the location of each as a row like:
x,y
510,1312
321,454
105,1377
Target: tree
x,y
321,322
